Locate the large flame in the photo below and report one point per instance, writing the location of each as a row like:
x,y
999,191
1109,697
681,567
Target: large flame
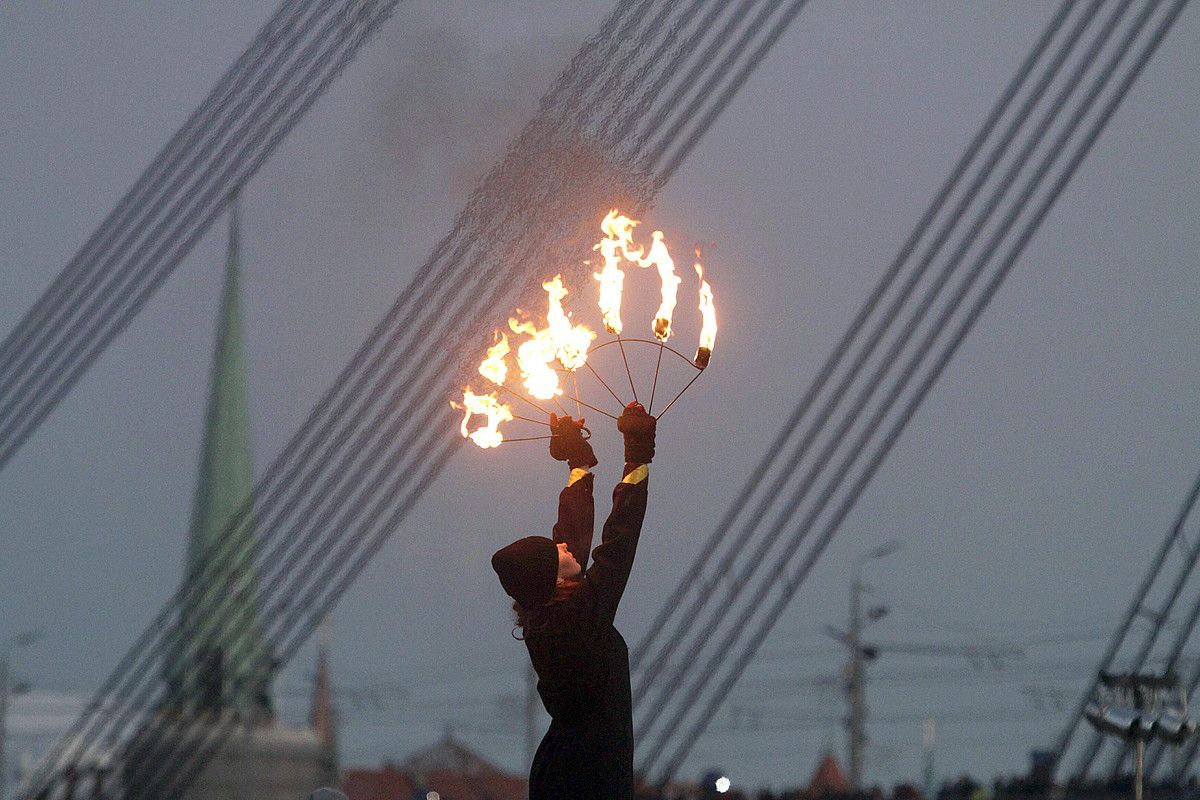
x,y
567,343
484,405
708,315
661,258
617,244
558,340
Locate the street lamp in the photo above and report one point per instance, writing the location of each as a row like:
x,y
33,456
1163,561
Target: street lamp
x,y
23,639
856,690
1130,706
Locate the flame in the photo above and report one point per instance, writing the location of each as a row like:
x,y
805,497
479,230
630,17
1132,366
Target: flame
x,y
567,343
617,244
493,366
661,258
558,340
485,405
708,315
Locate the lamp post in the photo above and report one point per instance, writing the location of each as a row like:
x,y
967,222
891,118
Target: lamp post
x,y
856,690
24,639
1130,706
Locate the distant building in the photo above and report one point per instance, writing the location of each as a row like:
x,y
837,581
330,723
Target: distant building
x,y
449,770
828,778
218,672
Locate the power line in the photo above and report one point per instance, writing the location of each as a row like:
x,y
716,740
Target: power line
x,y
1121,634
32,390
285,20
1030,227
694,581
294,619
738,548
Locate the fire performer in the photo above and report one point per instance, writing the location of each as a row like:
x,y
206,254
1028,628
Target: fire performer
x,y
565,611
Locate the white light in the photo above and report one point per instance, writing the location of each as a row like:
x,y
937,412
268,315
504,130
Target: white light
x,y
433,796
723,784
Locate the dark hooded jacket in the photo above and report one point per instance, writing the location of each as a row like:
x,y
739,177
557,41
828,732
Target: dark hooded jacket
x,y
581,660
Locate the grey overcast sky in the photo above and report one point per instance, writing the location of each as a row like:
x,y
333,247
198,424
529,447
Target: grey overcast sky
x,y
1029,492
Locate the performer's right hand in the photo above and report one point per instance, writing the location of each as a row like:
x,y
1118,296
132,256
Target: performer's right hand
x,y
567,443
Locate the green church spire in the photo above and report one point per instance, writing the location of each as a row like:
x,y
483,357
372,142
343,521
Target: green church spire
x,y
215,667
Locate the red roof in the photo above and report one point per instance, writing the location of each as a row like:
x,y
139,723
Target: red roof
x,y
390,783
828,778
386,783
493,786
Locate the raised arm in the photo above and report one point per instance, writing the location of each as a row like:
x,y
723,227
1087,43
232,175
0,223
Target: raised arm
x,y
577,515
613,559
576,505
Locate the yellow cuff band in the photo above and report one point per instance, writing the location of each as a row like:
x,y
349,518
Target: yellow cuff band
x,y
577,475
638,475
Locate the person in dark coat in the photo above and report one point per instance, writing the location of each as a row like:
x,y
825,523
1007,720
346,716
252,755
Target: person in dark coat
x,y
566,608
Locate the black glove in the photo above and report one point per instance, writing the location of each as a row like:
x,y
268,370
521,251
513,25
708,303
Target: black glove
x,y
567,443
638,428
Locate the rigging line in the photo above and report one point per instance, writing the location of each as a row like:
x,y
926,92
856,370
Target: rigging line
x,y
605,131
644,102
267,38
164,614
150,632
709,86
708,57
300,597
1155,749
1119,636
864,396
1181,638
83,285
271,32
814,472
17,430
783,475
1151,638
433,467
1188,751
843,345
981,303
730,91
225,555
43,415
572,102
354,479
